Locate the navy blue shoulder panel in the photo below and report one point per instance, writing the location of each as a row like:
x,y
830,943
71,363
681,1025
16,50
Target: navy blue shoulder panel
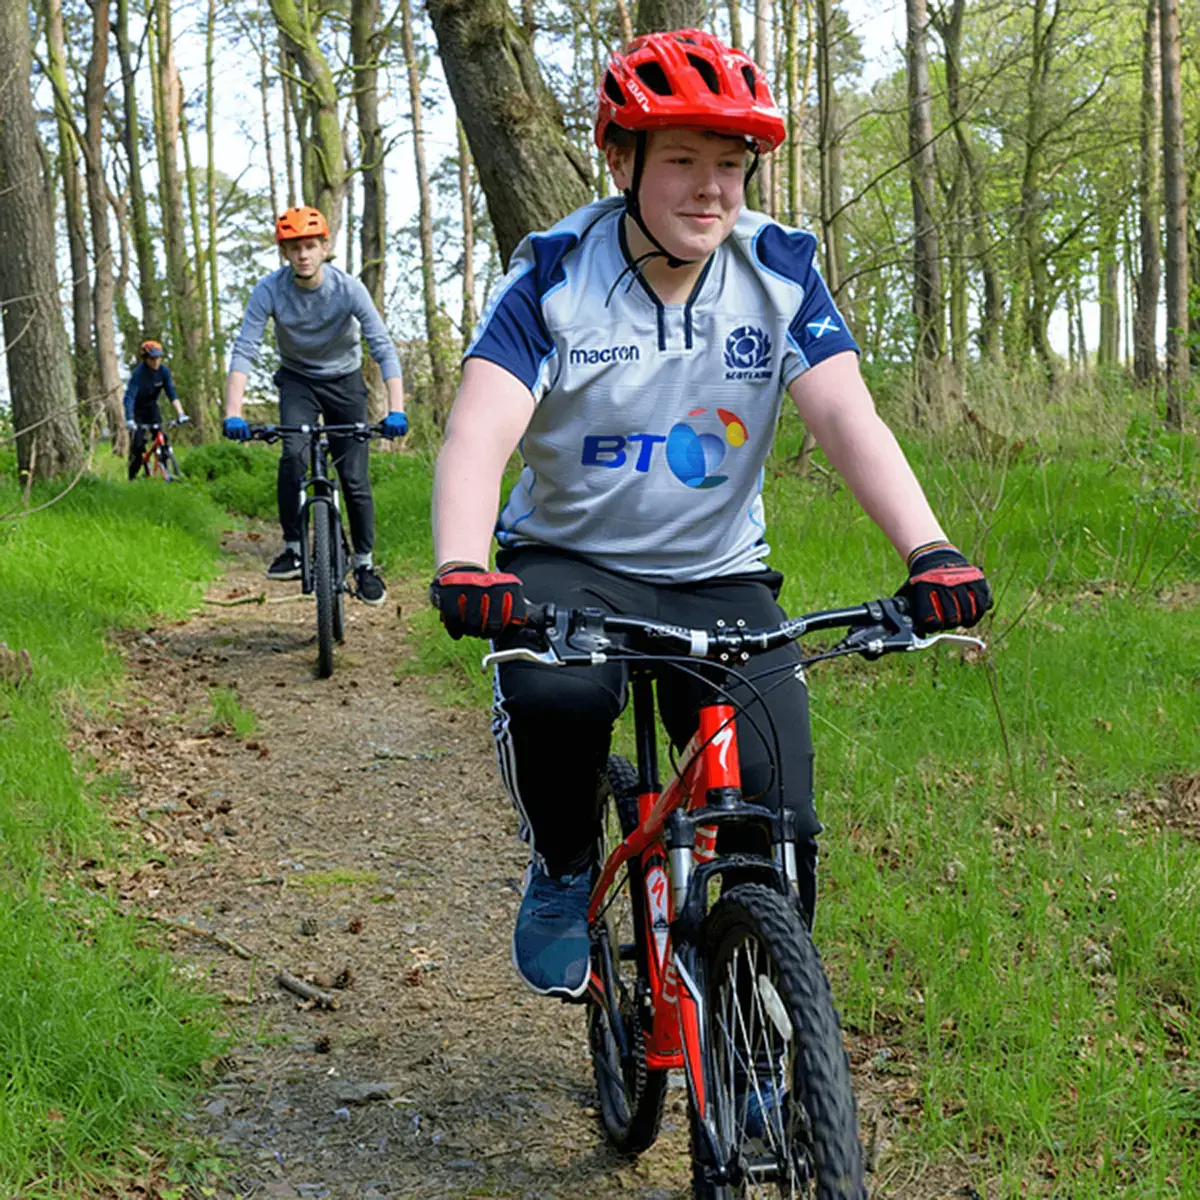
x,y
817,329
514,334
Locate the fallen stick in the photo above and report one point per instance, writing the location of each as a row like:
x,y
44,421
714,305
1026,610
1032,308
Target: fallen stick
x,y
261,598
285,979
305,990
221,940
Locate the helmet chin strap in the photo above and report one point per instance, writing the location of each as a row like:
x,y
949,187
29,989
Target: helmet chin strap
x,y
633,207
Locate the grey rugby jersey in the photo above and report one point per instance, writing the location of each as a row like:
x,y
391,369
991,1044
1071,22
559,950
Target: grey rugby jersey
x,y
645,452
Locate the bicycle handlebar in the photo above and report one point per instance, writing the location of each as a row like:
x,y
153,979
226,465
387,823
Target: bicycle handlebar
x,y
359,430
580,636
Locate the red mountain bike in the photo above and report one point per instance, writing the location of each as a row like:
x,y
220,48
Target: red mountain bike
x,y
158,459
701,959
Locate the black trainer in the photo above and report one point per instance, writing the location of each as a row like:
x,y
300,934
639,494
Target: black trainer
x,y
285,566
371,589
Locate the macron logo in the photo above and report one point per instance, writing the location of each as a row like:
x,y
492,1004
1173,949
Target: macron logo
x,y
608,354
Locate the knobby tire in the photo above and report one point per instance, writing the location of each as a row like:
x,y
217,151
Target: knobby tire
x,y
631,1095
781,1101
337,546
322,561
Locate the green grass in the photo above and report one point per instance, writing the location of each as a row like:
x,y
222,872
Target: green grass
x,y
100,1041
229,714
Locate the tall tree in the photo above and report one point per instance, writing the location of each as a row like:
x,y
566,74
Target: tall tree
x,y
217,350
829,148
39,374
655,15
1176,212
927,270
187,329
323,154
264,87
287,89
466,200
205,387
1149,278
148,289
86,382
531,172
1108,347
765,179
364,16
949,24
434,324
103,291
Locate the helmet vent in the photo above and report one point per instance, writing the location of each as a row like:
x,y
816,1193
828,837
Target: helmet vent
x,y
751,82
612,89
707,73
654,77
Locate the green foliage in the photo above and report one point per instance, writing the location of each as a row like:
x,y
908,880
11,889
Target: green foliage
x,y
99,1039
229,714
241,477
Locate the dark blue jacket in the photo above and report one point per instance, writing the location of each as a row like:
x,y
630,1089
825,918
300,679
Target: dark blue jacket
x,y
141,393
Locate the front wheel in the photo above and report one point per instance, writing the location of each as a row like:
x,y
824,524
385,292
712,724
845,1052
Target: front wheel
x,y
170,465
631,1094
337,547
322,562
780,1108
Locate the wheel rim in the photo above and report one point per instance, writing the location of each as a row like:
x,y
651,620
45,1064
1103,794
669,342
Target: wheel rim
x,y
760,1125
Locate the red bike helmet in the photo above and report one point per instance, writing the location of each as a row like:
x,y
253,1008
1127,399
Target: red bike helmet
x,y
151,349
688,79
301,222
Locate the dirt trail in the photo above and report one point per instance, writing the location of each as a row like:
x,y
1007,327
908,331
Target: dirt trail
x,y
360,836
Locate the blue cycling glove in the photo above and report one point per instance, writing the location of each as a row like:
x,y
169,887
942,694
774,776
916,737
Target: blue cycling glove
x,y
395,425
236,429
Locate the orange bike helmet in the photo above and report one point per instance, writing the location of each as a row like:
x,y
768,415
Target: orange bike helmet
x,y
151,349
688,79
300,223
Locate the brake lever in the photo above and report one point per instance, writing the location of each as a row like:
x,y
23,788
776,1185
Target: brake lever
x,y
522,654
957,639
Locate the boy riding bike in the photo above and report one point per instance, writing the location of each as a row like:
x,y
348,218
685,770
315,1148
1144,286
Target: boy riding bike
x,y
319,311
637,352
150,377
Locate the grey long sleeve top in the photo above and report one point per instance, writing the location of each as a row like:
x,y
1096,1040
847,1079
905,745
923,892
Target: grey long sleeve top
x,y
317,329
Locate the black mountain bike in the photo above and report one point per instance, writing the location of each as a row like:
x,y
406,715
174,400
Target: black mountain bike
x,y
325,557
701,959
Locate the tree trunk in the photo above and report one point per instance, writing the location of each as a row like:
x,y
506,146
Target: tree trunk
x,y
531,173
927,262
791,100
148,290
1107,352
829,149
186,327
204,388
469,316
86,381
949,26
433,321
364,15
625,22
323,155
103,292
264,86
287,87
39,373
1175,193
763,187
734,9
658,15
217,349
1149,278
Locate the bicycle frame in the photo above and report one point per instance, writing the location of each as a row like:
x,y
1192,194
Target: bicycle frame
x,y
151,452
324,489
678,858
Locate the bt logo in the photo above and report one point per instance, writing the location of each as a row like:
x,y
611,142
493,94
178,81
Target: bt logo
x,y
692,457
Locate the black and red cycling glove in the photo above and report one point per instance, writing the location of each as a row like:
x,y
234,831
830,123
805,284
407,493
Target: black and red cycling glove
x,y
476,602
943,590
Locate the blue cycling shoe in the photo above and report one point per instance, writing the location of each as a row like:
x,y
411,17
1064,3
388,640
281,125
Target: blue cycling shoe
x,y
550,948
